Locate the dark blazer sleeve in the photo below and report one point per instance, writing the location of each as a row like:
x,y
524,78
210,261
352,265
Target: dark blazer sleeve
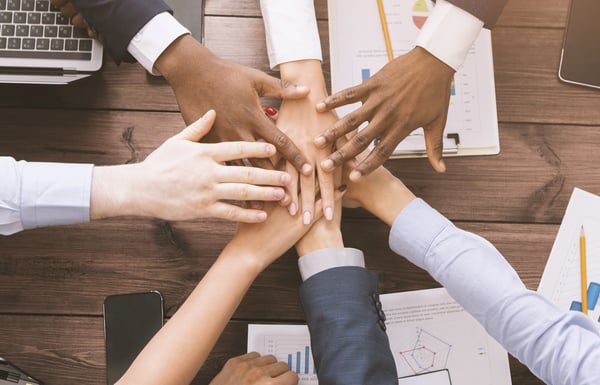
x,y
346,323
487,11
117,21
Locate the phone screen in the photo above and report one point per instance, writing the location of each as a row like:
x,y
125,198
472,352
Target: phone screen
x,y
580,61
130,321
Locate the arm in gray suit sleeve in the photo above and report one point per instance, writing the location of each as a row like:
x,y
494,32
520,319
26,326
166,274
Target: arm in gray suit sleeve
x,y
487,11
343,312
117,21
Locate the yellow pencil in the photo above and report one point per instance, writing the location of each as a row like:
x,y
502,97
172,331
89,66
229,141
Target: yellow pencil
x,y
583,268
386,33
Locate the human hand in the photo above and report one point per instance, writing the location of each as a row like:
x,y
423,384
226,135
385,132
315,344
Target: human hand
x,y
68,9
254,369
301,122
184,180
202,81
411,91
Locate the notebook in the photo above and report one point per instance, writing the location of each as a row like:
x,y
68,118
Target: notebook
x,y
38,45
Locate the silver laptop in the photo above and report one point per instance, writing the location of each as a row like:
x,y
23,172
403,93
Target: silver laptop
x,y
39,45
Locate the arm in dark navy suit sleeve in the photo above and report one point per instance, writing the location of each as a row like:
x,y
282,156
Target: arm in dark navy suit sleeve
x,y
487,11
117,21
343,312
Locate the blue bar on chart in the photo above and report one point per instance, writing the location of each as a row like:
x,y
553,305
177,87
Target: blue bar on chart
x,y
306,355
298,362
290,361
453,88
365,73
593,294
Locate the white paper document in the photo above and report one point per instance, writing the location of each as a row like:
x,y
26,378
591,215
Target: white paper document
x,y
357,51
561,280
433,339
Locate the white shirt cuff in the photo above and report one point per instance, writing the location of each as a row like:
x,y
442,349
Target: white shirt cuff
x,y
449,33
324,259
55,194
151,41
291,31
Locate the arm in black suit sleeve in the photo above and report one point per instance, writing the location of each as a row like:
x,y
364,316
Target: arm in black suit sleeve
x,y
487,11
117,21
343,312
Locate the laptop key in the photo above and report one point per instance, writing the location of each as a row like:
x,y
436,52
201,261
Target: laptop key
x,y
41,5
62,19
28,43
20,17
13,5
80,33
5,17
48,18
57,44
42,44
8,30
27,5
22,30
71,45
65,31
14,43
85,44
50,31
34,18
2,5
36,31
3,43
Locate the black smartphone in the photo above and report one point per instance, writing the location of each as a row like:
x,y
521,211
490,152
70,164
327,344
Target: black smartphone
x,y
580,58
130,321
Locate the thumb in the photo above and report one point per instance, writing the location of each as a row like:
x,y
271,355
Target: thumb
x,y
434,142
282,89
197,130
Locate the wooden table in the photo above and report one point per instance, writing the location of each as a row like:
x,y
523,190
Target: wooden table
x,y
53,280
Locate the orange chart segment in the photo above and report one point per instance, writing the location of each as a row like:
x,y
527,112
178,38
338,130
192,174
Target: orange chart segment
x,y
420,11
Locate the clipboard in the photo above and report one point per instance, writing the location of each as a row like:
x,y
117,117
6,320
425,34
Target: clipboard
x,y
357,51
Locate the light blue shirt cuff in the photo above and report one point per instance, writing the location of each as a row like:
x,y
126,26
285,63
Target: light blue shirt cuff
x,y
55,194
323,259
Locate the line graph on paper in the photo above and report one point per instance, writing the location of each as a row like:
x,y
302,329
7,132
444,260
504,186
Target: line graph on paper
x,y
429,353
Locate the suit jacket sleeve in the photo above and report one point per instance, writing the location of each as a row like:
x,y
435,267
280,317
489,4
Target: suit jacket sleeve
x,y
117,21
346,323
487,11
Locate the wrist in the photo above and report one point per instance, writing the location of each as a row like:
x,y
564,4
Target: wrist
x,y
112,192
322,238
385,201
307,73
184,51
244,258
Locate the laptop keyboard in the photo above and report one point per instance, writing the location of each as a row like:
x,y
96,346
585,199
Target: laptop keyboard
x,y
37,29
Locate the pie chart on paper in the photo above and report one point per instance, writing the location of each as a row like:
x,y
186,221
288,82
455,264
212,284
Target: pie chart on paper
x,y
421,11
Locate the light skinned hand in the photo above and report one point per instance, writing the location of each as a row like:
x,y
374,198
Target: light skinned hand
x,y
202,81
411,91
183,179
254,369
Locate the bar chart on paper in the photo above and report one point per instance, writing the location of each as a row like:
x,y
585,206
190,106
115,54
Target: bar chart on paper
x,y
288,343
561,281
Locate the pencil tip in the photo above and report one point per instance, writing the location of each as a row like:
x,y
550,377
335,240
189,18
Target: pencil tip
x,y
582,232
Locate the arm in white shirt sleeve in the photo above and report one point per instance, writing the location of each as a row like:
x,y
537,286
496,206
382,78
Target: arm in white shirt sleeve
x,y
151,41
559,347
449,33
43,194
291,30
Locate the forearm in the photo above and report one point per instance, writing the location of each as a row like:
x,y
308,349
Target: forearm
x,y
181,347
483,282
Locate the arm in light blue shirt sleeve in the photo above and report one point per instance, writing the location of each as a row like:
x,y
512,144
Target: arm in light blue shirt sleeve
x,y
43,194
561,348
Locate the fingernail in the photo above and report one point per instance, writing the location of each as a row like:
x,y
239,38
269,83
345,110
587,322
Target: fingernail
x,y
327,164
270,149
293,209
443,165
278,193
355,176
205,116
302,88
306,169
320,140
271,111
320,106
286,179
261,216
342,188
329,213
306,218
